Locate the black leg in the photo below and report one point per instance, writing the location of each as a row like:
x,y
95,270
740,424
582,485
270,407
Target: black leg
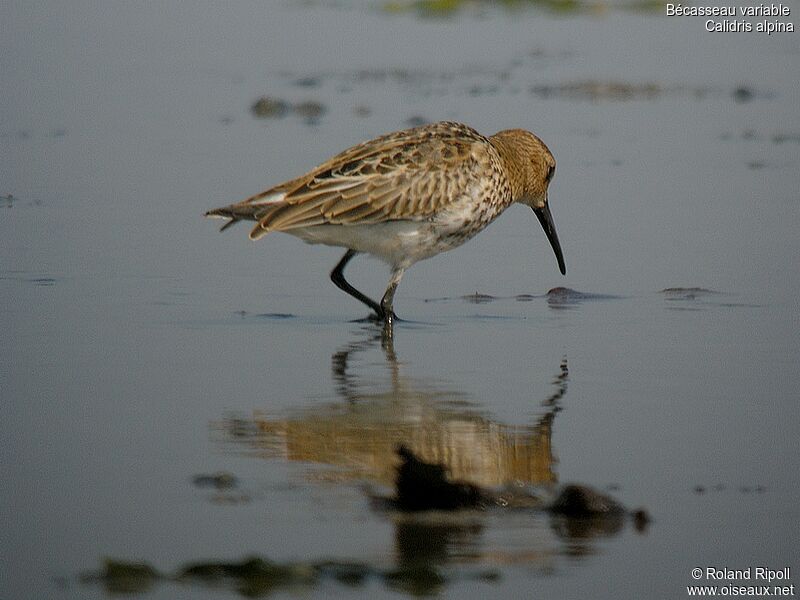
x,y
387,304
337,277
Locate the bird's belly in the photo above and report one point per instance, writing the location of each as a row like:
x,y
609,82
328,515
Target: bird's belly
x,y
398,243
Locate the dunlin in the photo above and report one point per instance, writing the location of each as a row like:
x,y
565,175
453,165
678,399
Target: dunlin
x,y
406,196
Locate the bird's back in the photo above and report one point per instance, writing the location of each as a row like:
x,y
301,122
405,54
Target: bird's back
x,y
409,175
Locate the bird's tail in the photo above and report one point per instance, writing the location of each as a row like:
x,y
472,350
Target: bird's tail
x,y
234,213
251,209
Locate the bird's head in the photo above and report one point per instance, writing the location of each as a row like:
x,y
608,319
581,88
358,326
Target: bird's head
x,y
530,166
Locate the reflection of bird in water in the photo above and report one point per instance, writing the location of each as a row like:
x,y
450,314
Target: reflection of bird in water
x,y
406,196
360,433
376,411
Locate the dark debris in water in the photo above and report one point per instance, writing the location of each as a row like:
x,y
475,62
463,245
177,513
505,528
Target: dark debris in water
x,y
746,93
418,580
477,298
582,512
596,91
558,297
43,281
582,501
224,486
251,577
423,486
275,316
743,94
751,135
308,82
786,137
268,316
471,81
24,277
12,201
701,489
687,293
267,107
310,110
219,481
24,134
509,77
256,576
641,520
698,298
121,577
564,297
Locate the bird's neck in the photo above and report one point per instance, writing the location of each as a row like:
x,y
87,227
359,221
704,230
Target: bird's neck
x,y
509,158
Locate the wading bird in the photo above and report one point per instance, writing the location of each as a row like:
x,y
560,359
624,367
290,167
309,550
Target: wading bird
x,y
406,196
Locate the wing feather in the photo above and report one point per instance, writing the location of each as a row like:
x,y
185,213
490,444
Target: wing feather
x,y
406,175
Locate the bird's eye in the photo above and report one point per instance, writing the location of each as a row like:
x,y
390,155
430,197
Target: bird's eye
x,y
550,172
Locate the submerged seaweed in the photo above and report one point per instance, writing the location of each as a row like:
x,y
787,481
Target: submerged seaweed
x,y
256,576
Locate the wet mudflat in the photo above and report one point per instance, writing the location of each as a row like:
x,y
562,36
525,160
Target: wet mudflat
x,y
189,414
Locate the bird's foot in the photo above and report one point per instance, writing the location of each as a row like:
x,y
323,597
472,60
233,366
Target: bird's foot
x,y
387,321
387,334
381,317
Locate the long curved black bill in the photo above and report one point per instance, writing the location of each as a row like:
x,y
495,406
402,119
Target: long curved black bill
x,y
546,219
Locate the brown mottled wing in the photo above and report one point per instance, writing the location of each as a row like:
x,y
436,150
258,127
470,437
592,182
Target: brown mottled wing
x,y
408,175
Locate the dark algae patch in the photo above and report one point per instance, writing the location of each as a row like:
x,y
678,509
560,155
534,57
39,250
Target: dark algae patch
x,y
120,577
224,486
257,577
477,298
267,107
422,486
583,501
599,90
556,295
564,297
419,580
422,489
253,577
220,481
699,298
686,293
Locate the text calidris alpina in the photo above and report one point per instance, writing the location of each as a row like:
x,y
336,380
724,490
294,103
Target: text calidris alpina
x,y
406,196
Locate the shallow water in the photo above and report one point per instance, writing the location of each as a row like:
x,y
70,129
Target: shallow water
x,y
143,348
